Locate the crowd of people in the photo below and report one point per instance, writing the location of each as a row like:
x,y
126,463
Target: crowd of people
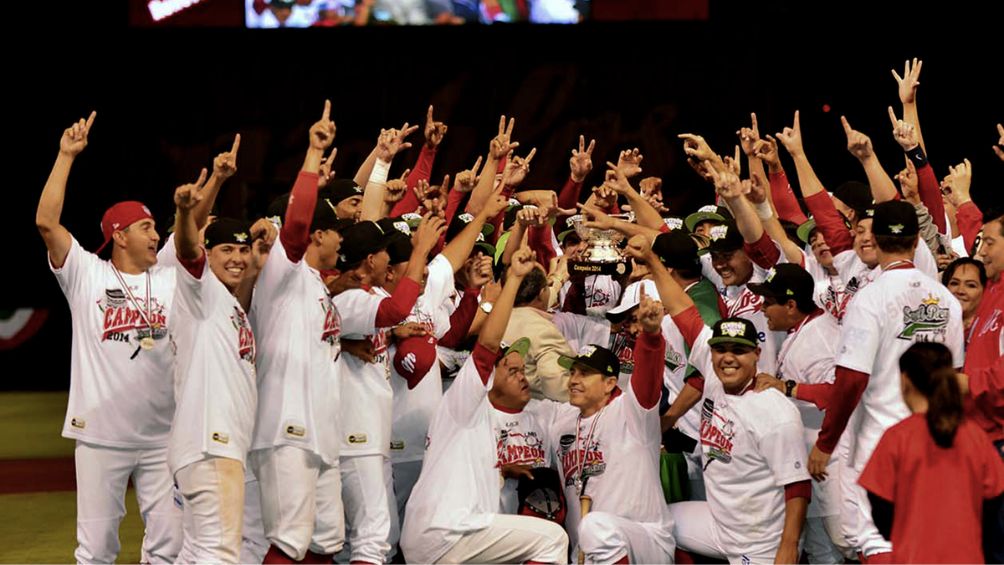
x,y
382,369
333,13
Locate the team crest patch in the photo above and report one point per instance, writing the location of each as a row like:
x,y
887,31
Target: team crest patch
x,y
673,359
718,232
241,237
587,350
465,218
673,223
733,329
926,322
402,227
710,208
896,228
770,274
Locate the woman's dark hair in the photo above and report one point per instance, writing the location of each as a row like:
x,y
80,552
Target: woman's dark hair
x,y
928,365
954,265
530,287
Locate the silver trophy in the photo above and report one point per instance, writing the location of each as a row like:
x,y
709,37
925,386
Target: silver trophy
x,y
602,255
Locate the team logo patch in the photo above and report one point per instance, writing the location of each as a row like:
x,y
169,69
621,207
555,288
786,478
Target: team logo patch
x,y
465,218
926,322
357,438
710,208
718,232
770,274
896,228
674,360
402,227
673,223
221,437
733,329
241,237
587,350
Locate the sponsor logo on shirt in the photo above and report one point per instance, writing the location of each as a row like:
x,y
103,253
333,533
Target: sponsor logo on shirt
x,y
926,322
622,345
598,297
120,317
520,447
587,462
747,303
674,360
716,434
357,438
245,336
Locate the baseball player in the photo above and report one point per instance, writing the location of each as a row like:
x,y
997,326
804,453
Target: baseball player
x,y
294,450
453,514
121,395
902,305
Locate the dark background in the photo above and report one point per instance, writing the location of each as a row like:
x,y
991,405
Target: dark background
x,y
168,100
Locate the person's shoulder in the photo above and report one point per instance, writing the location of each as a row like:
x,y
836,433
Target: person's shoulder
x,y
770,408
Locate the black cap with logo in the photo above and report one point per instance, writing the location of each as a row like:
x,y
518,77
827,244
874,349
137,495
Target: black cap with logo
x,y
895,217
784,282
595,357
734,330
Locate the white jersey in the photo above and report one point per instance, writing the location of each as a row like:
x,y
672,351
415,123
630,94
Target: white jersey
x,y
459,487
120,394
617,449
602,294
676,368
367,398
521,439
856,275
297,330
413,409
900,307
830,291
215,382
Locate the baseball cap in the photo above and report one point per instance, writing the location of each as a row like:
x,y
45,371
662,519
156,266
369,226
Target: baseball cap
x,y
393,226
784,282
676,249
630,299
856,195
228,230
895,217
359,241
725,238
414,358
521,346
673,223
399,248
705,213
805,230
570,228
340,189
460,221
595,357
542,496
121,216
325,217
734,330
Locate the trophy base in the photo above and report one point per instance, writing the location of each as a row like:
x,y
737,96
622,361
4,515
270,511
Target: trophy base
x,y
613,268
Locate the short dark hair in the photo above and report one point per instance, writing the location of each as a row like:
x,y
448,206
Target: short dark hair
x,y
530,287
949,272
995,216
896,243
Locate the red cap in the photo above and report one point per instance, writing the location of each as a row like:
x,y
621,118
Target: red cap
x,y
414,358
121,216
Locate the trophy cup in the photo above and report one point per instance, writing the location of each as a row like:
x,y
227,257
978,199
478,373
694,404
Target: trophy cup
x,y
602,255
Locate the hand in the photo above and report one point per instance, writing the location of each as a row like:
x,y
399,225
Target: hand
x,y
909,82
766,150
427,233
764,381
395,188
496,205
791,138
500,146
491,292
434,131
409,329
467,180
859,144
326,172
429,197
479,272
338,284
606,197
786,554
908,182
651,185
728,185
392,141
956,185
516,169
629,162
187,196
749,136
74,138
515,471
617,181
699,168
531,216
904,133
695,147
322,133
963,383
558,267
523,261
817,463
639,248
1000,142
596,218
758,189
225,164
945,259
360,348
581,162
650,313
265,231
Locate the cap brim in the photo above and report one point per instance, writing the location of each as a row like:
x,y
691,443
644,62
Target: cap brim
x,y
520,346
761,289
619,313
488,249
564,234
566,362
729,339
805,229
697,217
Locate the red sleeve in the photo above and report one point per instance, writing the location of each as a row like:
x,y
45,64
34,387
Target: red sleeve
x,y
690,324
664,228
829,222
723,308
575,298
496,222
539,240
763,252
696,382
453,201
784,199
461,319
484,361
295,232
847,390
196,266
569,195
986,386
646,382
799,489
930,195
818,394
970,220
421,171
395,308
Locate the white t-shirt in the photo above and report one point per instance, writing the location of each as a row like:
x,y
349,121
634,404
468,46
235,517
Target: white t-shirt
x,y
297,329
367,398
215,382
829,293
459,488
618,450
900,307
413,409
676,369
521,439
856,275
120,395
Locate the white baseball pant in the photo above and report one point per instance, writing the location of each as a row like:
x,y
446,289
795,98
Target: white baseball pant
x,y
213,490
254,544
371,529
301,501
511,539
608,538
695,530
102,476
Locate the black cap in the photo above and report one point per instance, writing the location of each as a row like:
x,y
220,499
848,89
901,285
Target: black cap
x,y
710,212
228,230
784,282
725,238
396,224
734,330
594,357
856,195
325,217
399,248
340,189
277,208
895,217
542,496
676,249
360,241
460,222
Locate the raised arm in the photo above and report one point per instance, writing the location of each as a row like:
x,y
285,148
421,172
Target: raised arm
x,y
628,165
649,353
908,84
580,164
390,143
494,327
50,205
860,145
434,132
186,241
927,184
457,250
224,167
498,148
295,234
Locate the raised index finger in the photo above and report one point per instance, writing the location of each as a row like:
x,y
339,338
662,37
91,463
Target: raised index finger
x,y
892,117
237,144
592,144
530,156
428,115
327,110
847,125
90,120
756,129
477,165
